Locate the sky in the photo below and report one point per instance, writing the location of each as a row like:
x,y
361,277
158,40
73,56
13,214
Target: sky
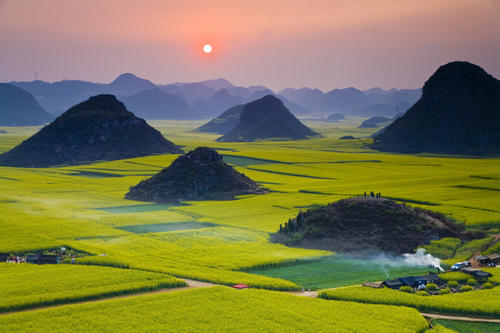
x,y
288,43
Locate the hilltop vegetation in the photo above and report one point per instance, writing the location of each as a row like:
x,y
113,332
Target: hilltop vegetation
x,y
367,224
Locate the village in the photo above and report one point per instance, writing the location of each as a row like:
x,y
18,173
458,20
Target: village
x,y
53,256
432,284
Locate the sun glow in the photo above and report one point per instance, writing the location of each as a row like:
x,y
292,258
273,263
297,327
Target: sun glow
x,y
207,48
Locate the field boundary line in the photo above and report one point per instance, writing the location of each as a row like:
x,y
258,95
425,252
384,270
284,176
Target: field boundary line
x,y
191,284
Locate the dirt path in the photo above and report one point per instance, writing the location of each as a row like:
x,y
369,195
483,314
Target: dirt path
x,y
191,285
315,293
496,239
460,318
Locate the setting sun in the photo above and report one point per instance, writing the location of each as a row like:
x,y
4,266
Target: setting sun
x,y
207,48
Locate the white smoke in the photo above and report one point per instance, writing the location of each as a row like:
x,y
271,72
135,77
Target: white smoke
x,y
420,258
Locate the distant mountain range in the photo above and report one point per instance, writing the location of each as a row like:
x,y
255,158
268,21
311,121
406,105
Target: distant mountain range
x,y
207,99
354,102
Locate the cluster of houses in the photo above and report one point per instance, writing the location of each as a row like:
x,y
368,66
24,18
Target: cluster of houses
x,y
490,260
39,259
412,281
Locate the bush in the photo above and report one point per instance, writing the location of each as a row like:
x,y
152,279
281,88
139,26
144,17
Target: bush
x,y
444,291
472,282
406,289
431,286
313,232
422,293
294,239
452,284
465,288
488,285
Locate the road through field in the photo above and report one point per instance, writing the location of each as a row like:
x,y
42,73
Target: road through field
x,y
459,318
192,284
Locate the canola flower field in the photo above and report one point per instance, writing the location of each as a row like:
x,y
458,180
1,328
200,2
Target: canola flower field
x,y
483,302
26,286
83,208
218,309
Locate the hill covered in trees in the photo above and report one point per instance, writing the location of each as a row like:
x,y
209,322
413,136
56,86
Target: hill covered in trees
x,y
366,224
458,113
200,174
99,129
267,118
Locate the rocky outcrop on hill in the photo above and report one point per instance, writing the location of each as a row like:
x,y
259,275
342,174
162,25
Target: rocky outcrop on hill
x,y
365,225
458,113
267,118
99,129
19,108
200,174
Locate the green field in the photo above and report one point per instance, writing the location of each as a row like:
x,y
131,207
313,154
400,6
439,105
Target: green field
x,y
468,327
338,271
227,242
215,310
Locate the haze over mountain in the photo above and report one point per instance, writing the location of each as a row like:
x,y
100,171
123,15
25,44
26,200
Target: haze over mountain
x,y
99,129
158,104
458,113
335,117
59,96
267,118
352,101
19,108
128,84
201,174
209,98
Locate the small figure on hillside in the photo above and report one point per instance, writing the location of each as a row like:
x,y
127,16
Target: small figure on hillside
x,y
73,261
372,194
365,193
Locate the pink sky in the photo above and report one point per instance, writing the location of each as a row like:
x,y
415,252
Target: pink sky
x,y
323,44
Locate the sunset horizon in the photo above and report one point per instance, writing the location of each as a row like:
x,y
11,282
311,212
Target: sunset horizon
x,y
325,45
250,166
